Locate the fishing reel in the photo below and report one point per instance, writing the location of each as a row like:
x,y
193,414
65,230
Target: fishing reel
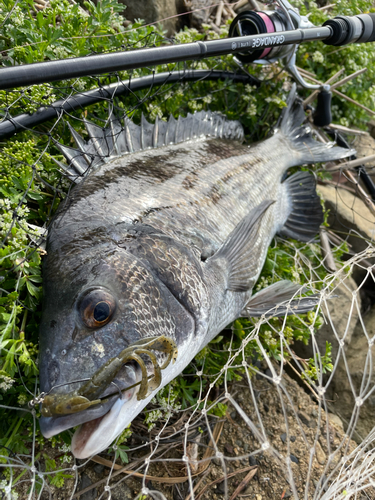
x,y
282,21
283,18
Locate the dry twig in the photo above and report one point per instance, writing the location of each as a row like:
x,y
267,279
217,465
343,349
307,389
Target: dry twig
x,y
328,261
120,470
243,483
326,7
240,4
216,433
362,193
307,74
223,478
351,164
198,483
168,480
348,78
316,92
347,129
219,13
230,10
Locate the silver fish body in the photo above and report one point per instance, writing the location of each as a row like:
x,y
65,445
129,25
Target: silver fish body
x,y
166,242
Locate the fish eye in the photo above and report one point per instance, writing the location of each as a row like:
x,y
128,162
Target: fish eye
x,y
101,312
96,308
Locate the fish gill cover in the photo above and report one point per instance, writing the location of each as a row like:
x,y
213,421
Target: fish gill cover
x,y
271,407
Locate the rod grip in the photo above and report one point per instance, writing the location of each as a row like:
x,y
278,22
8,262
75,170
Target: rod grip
x,y
351,29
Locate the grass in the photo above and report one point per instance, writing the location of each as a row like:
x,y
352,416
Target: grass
x,y
31,185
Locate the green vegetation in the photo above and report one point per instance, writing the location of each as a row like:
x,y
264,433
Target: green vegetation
x,y
31,188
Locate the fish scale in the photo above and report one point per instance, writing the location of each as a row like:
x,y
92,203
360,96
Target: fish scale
x,y
164,241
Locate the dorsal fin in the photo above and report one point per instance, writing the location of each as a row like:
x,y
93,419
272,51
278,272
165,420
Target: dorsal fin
x,y
118,139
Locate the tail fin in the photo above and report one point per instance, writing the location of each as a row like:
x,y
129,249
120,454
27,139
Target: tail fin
x,y
311,151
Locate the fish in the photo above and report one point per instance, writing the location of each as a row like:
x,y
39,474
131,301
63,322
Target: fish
x,y
156,249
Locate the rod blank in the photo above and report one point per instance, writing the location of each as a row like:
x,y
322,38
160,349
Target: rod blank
x,y
50,71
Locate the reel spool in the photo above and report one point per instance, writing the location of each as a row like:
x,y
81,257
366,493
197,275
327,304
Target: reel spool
x,y
254,23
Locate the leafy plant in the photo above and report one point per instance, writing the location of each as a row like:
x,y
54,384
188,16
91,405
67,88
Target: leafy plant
x,y
31,188
326,60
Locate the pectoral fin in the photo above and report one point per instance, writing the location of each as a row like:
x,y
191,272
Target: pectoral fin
x,y
277,300
241,266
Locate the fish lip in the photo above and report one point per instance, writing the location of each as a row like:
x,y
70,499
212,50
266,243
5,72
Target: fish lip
x,y
104,432
50,426
86,437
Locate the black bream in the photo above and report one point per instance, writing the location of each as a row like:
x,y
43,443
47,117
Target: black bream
x,y
155,252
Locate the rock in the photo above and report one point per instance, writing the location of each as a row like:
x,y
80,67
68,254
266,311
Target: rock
x,y
371,127
341,321
221,488
336,421
229,448
304,418
294,459
320,455
121,492
283,437
98,468
155,10
357,353
200,11
349,212
268,374
365,146
84,483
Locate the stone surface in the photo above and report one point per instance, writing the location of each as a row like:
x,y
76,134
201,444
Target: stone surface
x,y
341,320
348,212
84,483
155,10
200,11
336,421
121,492
320,455
359,359
351,219
365,146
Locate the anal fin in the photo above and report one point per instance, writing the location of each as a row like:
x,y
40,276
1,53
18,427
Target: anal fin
x,y
277,300
307,213
237,250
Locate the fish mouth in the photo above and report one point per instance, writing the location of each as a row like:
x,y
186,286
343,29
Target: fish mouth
x,y
125,388
95,407
96,435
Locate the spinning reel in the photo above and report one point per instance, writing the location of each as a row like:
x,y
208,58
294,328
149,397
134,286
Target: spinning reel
x,y
279,25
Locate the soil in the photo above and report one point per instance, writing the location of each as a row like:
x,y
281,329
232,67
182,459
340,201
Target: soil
x,y
268,452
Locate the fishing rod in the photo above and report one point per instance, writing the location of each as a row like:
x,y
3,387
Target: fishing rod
x,y
25,121
265,33
261,37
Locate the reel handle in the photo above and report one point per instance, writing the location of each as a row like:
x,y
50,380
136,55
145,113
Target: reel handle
x,y
323,115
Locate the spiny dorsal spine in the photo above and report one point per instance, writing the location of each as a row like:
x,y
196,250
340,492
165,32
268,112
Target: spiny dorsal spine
x,y
116,140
